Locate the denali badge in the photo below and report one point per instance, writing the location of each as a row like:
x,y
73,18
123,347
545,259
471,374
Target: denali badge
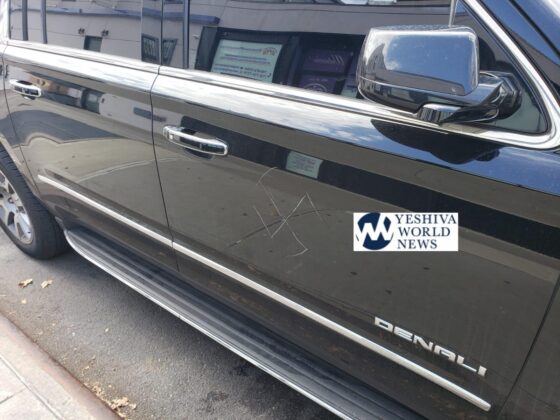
x,y
428,345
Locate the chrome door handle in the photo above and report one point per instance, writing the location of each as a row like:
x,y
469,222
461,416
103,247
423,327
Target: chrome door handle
x,y
210,146
25,88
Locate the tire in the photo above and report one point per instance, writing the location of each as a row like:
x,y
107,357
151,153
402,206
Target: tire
x,y
22,216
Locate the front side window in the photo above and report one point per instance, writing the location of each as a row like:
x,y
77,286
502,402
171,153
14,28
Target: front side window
x,y
314,45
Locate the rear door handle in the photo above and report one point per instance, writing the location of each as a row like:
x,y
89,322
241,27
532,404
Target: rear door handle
x,y
25,88
210,146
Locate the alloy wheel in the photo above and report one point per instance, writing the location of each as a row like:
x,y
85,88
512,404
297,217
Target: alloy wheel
x,y
13,214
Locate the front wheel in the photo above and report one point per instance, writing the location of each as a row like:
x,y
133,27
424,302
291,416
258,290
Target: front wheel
x,y
24,219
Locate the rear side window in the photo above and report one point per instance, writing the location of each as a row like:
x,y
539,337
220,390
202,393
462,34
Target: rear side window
x,y
312,44
110,27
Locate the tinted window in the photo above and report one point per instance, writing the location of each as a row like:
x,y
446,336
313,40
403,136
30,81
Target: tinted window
x,y
311,44
112,27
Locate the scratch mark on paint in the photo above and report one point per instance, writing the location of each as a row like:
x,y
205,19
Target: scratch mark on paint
x,y
285,219
303,251
265,227
263,222
265,174
314,208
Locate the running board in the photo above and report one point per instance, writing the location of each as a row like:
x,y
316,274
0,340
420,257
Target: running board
x,y
326,385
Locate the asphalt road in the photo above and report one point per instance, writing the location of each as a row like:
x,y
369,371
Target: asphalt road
x,y
122,345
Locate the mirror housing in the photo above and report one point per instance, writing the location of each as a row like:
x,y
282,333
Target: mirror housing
x,y
433,71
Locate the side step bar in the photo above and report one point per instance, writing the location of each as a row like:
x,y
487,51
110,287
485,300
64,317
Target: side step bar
x,y
319,381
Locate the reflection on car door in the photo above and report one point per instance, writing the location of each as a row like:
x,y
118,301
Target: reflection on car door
x,y
273,218
84,120
278,210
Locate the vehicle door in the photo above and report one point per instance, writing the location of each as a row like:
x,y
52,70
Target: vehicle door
x,y
78,83
266,150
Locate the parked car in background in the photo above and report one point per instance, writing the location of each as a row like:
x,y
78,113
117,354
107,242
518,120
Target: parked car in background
x,y
212,155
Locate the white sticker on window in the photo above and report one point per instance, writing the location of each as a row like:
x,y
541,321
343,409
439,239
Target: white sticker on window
x,y
303,164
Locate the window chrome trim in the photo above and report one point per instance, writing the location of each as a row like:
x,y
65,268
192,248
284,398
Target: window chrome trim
x,y
548,140
107,211
552,108
95,56
277,297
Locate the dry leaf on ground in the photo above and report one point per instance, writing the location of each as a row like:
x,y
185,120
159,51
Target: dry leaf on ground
x,y
119,402
98,391
46,283
115,404
24,283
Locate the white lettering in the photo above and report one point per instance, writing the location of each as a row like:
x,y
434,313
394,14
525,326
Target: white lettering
x,y
403,333
445,353
419,340
384,324
374,234
461,361
428,345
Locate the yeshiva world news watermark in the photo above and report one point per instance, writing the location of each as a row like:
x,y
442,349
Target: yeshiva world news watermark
x,y
406,232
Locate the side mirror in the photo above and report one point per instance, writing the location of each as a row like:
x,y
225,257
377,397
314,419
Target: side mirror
x,y
433,71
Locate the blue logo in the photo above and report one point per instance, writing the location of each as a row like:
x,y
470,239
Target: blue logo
x,y
373,231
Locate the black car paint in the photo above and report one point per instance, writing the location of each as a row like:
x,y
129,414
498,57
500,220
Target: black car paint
x,y
452,290
487,301
108,156
537,391
534,27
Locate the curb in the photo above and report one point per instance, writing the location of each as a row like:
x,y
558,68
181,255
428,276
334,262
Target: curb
x,y
60,394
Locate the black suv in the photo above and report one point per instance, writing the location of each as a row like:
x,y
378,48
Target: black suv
x,y
245,164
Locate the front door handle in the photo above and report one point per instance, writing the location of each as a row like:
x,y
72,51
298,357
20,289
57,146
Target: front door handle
x,y
195,142
25,88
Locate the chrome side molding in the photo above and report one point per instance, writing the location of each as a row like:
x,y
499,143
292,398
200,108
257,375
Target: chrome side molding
x,y
277,297
332,325
123,279
107,211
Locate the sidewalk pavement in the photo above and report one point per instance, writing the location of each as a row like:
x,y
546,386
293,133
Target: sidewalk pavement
x,y
33,386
